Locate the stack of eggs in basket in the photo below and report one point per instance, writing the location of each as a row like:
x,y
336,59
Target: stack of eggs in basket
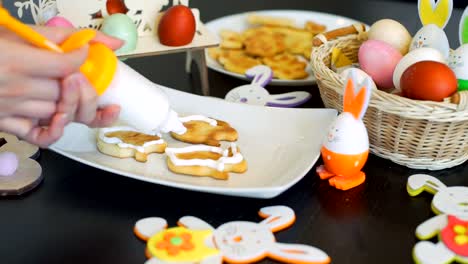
x,y
420,67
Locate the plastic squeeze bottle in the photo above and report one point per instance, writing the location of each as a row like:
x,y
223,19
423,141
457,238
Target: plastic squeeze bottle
x,y
144,105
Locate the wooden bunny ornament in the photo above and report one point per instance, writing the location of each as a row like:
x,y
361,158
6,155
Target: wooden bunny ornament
x,y
451,222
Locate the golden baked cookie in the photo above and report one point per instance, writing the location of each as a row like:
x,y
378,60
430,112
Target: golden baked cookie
x,y
125,142
204,130
231,40
297,41
203,160
265,44
262,20
286,66
315,28
237,61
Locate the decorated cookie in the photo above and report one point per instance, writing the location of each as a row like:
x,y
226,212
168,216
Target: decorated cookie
x,y
450,223
204,130
203,160
232,242
176,244
126,142
18,172
346,146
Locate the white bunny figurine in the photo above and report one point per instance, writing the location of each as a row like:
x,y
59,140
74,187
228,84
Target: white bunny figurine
x,y
346,147
458,59
434,18
232,242
451,222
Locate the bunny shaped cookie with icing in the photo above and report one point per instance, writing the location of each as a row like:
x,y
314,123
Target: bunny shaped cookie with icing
x,y
346,146
451,222
458,59
232,242
434,17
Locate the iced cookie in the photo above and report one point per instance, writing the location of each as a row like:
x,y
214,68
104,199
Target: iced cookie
x,y
202,160
204,130
126,142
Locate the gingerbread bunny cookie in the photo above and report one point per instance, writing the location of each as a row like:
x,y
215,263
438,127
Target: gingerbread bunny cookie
x,y
451,222
204,130
434,17
203,160
241,241
19,173
346,147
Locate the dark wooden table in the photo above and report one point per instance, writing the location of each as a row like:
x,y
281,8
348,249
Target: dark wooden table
x,y
80,214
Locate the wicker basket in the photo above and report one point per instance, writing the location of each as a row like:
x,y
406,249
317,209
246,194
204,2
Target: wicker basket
x,y
417,134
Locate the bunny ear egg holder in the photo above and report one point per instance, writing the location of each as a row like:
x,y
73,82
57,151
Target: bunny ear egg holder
x,y
195,241
146,16
450,223
19,173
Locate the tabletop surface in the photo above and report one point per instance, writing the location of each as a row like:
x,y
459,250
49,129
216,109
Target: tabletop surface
x,y
84,215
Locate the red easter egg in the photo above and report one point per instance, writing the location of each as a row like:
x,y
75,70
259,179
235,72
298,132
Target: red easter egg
x,y
428,80
116,6
177,26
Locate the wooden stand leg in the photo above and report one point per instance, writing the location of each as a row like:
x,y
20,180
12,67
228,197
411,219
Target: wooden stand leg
x,y
199,57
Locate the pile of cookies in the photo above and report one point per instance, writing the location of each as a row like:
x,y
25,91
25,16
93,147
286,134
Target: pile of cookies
x,y
205,157
272,41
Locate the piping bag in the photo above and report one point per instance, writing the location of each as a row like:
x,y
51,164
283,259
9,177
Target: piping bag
x,y
143,104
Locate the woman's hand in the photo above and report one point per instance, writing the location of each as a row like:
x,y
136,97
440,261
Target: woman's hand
x,y
41,91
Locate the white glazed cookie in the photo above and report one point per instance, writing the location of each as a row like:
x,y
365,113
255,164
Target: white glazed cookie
x,y
126,142
203,160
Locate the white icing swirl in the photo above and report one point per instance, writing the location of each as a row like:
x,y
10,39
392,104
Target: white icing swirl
x,y
218,164
173,124
120,143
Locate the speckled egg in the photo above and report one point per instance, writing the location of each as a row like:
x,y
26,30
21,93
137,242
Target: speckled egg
x,y
121,26
417,55
379,59
59,21
8,163
391,32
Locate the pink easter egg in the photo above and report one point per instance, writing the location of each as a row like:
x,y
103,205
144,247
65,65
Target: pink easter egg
x,y
8,163
59,21
379,59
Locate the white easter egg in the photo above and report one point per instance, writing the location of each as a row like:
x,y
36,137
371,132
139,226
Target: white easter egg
x,y
360,75
8,163
391,32
431,36
417,55
458,62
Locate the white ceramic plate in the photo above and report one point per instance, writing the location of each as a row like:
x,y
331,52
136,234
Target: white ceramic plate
x,y
238,22
280,145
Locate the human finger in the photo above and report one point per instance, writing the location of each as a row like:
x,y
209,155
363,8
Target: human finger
x,y
45,136
60,34
87,106
28,60
12,87
29,108
106,116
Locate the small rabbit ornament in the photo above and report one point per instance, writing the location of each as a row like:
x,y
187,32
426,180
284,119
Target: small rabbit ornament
x,y
458,59
451,222
346,147
195,241
434,18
